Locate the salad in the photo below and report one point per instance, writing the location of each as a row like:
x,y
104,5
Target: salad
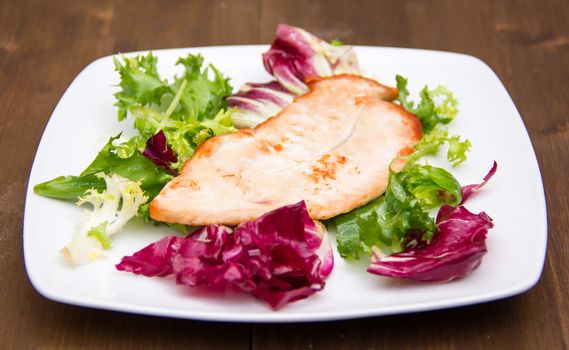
x,y
284,255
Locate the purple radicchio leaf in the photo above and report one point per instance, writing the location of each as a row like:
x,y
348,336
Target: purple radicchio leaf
x,y
281,257
295,57
254,103
159,152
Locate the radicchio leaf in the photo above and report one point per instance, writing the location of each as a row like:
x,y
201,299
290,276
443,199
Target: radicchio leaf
x,y
294,57
153,260
257,102
159,152
469,190
454,251
281,257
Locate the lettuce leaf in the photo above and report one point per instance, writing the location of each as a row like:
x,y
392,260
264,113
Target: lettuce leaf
x,y
188,111
139,82
431,186
69,188
183,137
436,108
457,149
111,209
389,221
428,111
135,168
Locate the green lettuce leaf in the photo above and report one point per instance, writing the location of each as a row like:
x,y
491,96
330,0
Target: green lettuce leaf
x,y
437,107
139,82
429,112
135,168
184,137
203,97
386,222
431,143
457,150
69,188
109,211
431,186
100,233
189,110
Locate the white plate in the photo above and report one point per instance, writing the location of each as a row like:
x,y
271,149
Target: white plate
x,y
85,118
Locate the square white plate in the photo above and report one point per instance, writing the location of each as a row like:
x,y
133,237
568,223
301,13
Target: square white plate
x,y
85,118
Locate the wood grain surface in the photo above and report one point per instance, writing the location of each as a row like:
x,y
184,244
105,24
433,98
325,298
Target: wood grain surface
x,y
45,44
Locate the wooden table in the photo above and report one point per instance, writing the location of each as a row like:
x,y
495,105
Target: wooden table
x,y
44,45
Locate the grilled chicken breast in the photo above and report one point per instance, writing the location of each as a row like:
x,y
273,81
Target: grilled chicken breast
x,y
331,147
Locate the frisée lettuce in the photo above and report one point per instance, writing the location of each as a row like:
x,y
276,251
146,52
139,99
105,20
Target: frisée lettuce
x,y
111,209
436,108
188,111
